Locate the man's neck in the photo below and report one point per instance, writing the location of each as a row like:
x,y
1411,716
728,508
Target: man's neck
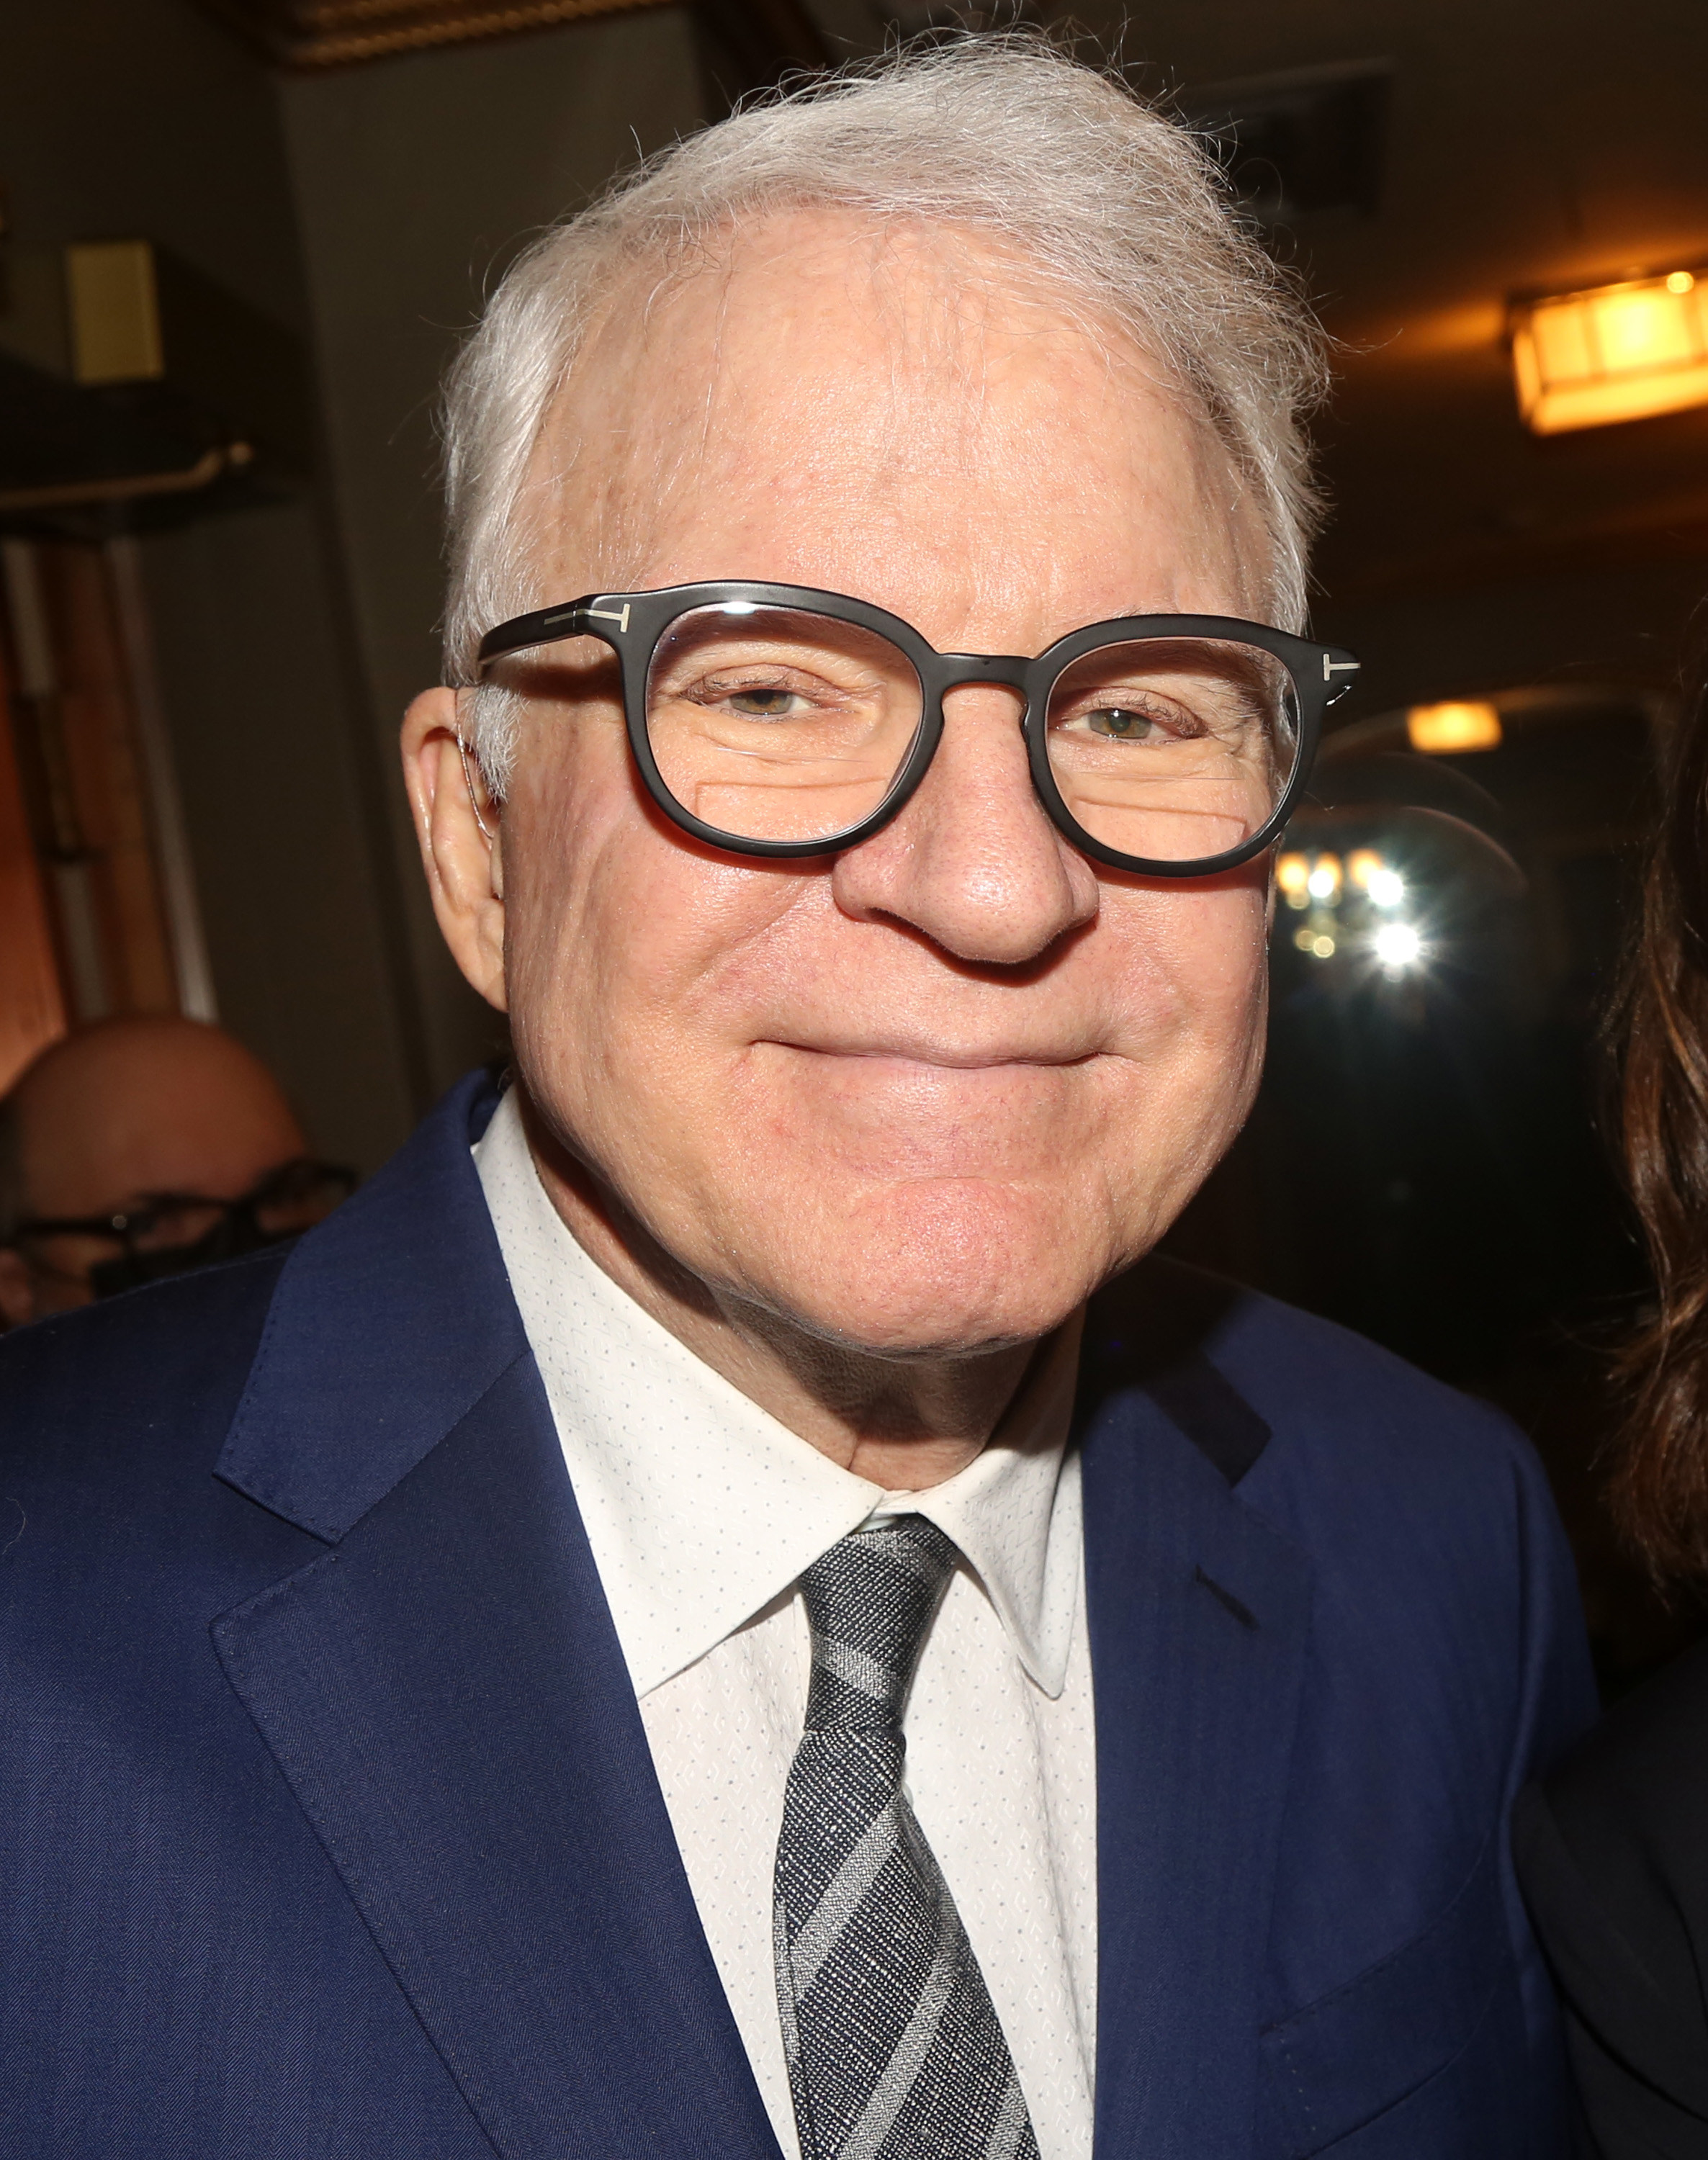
x,y
904,1424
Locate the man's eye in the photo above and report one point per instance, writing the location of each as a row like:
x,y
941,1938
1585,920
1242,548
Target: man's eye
x,y
1122,723
763,703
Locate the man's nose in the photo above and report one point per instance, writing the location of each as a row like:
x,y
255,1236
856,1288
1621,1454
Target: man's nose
x,y
973,861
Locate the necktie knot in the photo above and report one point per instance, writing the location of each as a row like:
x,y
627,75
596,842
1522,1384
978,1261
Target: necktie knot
x,y
869,1600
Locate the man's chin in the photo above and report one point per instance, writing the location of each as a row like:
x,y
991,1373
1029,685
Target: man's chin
x,y
930,1272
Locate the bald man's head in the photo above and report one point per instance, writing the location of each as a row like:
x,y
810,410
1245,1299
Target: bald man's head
x,y
112,1117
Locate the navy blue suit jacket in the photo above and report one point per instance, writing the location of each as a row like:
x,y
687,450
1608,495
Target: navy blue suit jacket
x,y
330,1825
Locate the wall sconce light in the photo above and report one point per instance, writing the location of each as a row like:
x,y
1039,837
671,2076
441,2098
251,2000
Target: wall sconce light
x,y
1440,731
1617,352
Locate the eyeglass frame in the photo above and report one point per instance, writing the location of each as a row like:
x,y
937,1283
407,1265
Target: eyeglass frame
x,y
125,1226
633,624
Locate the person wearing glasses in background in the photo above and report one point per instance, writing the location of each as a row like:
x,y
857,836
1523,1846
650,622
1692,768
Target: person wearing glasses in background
x,y
1613,1848
135,1149
722,1606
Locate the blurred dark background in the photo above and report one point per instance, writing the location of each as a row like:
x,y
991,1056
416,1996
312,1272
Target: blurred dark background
x,y
238,241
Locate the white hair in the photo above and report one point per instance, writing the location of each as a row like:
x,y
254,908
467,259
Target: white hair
x,y
1117,208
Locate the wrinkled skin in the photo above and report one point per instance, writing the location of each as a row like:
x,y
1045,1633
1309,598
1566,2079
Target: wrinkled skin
x,y
862,1130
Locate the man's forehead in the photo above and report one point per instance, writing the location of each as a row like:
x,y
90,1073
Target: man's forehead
x,y
818,368
925,296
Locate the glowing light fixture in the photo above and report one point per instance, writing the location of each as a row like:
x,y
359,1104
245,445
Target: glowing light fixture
x,y
1324,880
1361,866
1615,352
1398,945
1442,729
1292,876
1382,886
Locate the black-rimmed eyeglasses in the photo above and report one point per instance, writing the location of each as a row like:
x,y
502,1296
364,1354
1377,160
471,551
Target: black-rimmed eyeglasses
x,y
776,720
169,1233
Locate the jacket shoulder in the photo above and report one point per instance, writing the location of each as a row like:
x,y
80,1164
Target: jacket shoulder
x,y
1427,1513
1320,1390
145,1375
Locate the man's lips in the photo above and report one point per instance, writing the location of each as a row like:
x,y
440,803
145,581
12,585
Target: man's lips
x,y
941,1056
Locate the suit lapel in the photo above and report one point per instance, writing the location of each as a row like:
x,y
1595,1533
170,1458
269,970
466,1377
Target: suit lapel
x,y
444,1690
1197,1614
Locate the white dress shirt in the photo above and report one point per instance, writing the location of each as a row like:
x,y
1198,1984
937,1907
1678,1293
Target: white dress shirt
x,y
703,1511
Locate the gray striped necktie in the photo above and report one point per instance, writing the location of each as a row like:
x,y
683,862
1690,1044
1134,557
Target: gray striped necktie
x,y
894,2050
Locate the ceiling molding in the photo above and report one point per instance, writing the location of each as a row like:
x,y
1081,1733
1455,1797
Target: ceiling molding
x,y
758,42
309,35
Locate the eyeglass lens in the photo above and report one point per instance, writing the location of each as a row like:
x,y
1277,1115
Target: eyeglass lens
x,y
1174,750
775,724
779,725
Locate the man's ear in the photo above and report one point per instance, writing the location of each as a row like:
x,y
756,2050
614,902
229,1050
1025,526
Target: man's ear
x,y
458,825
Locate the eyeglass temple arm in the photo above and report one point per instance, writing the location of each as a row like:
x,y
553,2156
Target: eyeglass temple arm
x,y
544,626
547,626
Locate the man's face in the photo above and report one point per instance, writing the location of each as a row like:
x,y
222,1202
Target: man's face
x,y
925,1097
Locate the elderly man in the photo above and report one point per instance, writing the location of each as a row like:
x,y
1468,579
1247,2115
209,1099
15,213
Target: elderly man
x,y
482,1731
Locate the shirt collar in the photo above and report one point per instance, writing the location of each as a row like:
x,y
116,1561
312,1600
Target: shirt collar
x,y
702,1508
1015,1512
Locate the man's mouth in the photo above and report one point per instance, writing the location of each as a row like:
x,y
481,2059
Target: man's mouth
x,y
951,1057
